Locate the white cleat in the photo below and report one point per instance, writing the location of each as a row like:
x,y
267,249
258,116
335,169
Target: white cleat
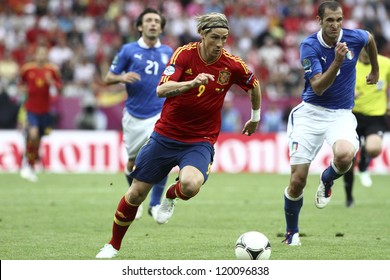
x,y
153,211
365,179
165,210
292,239
107,252
323,195
28,174
139,212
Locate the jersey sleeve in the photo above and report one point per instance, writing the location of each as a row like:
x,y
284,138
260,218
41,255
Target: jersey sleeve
x,y
120,61
310,61
246,79
363,34
175,66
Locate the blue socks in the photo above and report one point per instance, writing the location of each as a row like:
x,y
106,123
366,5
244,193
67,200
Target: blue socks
x,y
330,174
292,207
157,192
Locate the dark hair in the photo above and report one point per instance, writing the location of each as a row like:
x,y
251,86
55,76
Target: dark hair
x,y
150,11
332,5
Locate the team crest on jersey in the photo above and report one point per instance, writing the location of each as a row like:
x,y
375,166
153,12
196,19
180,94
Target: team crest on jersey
x,y
169,70
349,55
223,78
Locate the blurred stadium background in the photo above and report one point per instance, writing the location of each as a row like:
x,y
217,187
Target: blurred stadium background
x,y
84,36
68,216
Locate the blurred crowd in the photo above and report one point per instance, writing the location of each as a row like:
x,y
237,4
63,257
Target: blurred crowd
x,y
84,36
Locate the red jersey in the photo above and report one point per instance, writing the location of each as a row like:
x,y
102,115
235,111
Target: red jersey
x,y
195,116
38,90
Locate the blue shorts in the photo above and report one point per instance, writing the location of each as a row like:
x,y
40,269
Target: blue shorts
x,y
42,121
160,154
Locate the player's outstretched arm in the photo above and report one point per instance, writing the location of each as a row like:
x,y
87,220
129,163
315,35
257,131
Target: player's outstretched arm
x,y
371,49
251,125
172,88
129,77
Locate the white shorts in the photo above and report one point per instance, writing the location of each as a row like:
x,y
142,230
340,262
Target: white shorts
x,y
136,132
309,126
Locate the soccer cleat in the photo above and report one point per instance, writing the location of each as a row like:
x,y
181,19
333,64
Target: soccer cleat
x,y
349,203
365,179
165,210
323,194
292,239
139,212
28,173
152,211
107,252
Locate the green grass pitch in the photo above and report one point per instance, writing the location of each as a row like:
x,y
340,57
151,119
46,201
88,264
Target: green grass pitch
x,y
69,217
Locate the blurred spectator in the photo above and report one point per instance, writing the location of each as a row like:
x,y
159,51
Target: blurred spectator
x,y
270,53
272,120
91,118
114,10
8,111
231,117
213,6
266,33
9,71
74,37
67,71
60,52
84,70
34,33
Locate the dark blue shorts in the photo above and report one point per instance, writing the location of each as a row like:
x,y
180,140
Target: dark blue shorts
x,y
42,121
160,154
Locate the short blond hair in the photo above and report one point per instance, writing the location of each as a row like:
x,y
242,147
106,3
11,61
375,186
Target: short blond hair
x,y
212,20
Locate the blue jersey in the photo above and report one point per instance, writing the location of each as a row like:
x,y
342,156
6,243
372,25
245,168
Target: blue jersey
x,y
317,56
149,63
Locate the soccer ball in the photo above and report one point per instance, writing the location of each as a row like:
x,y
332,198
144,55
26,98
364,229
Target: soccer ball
x,y
253,245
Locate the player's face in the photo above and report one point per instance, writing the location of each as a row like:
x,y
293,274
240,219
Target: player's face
x,y
214,41
151,26
41,55
331,25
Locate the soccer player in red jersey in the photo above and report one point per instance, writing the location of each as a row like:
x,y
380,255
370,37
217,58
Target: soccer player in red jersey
x,y
39,80
195,82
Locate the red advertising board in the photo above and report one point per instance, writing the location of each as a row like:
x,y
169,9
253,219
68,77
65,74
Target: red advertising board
x,y
103,151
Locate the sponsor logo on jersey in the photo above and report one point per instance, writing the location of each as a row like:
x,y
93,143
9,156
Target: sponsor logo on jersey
x,y
189,71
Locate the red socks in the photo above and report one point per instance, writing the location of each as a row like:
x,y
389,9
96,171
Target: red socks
x,y
31,152
175,191
124,216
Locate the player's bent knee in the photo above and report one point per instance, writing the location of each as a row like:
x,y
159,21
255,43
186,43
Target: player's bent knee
x,y
189,190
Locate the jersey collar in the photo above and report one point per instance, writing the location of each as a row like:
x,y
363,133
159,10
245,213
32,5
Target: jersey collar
x,y
322,42
142,43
